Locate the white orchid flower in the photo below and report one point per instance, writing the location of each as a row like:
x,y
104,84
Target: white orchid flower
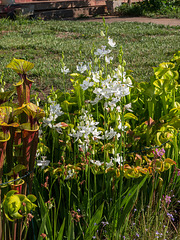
x,y
65,70
111,42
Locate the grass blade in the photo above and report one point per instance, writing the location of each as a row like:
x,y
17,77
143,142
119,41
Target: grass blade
x,y
60,234
93,225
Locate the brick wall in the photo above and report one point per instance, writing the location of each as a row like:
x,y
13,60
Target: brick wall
x,y
26,1
21,1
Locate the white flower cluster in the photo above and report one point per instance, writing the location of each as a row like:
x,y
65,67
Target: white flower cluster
x,y
118,159
87,127
43,163
86,84
92,80
95,76
110,134
81,67
96,162
70,174
86,130
101,52
54,113
112,90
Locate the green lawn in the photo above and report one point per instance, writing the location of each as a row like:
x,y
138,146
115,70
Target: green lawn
x,y
43,42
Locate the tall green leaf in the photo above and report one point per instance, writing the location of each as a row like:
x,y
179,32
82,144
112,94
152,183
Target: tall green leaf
x,y
60,234
71,230
93,225
46,223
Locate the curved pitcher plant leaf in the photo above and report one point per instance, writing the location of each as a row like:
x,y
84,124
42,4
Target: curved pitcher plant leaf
x,y
32,198
175,122
4,137
67,106
167,65
4,96
13,184
28,126
10,193
16,206
19,83
21,197
18,111
176,58
158,165
162,137
12,205
163,68
129,116
32,110
26,206
132,173
162,166
16,169
168,163
166,71
20,66
7,115
142,170
3,124
175,111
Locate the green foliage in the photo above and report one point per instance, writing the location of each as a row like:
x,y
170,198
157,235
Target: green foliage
x,y
94,222
113,146
16,206
82,184
151,8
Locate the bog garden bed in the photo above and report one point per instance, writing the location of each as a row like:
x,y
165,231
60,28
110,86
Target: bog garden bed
x,y
97,161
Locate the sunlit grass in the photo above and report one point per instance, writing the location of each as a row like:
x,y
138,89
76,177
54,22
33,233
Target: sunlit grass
x,y
144,46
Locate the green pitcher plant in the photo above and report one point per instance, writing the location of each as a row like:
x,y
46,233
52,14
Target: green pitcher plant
x,y
15,181
21,118
16,206
4,137
19,124
18,209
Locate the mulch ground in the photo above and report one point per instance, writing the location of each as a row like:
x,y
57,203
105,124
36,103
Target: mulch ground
x,y
111,19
